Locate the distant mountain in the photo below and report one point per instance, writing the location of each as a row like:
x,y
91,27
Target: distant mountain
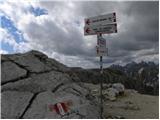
x,y
146,74
141,76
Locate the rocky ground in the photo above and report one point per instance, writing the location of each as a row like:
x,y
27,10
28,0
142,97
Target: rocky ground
x,y
131,105
35,86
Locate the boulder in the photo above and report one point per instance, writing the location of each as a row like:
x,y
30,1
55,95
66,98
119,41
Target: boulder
x,y
111,94
115,90
119,87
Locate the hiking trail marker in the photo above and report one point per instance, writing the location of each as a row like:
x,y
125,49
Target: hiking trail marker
x,y
61,108
98,25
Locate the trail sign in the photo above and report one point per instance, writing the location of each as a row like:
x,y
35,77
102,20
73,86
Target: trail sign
x,y
101,51
98,25
101,42
101,29
101,20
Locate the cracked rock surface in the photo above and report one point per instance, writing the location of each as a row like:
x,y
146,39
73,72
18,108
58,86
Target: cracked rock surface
x,y
14,103
11,71
32,84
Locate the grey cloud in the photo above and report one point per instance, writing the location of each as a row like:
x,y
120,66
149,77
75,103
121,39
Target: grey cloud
x,y
141,33
137,30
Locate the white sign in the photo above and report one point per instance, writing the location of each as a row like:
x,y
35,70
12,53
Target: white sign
x,y
101,20
103,29
101,42
101,51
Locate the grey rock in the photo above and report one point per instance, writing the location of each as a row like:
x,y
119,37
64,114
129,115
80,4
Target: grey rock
x,y
38,83
111,94
11,71
74,88
119,87
30,62
56,65
36,61
14,103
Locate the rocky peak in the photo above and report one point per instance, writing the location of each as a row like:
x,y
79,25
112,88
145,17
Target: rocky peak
x,y
35,86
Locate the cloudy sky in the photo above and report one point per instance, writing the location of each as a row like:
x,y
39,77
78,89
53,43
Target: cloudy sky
x,y
56,29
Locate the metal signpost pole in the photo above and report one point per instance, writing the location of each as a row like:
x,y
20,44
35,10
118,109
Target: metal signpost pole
x,y
101,84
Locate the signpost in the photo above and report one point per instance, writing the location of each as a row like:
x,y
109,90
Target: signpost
x,y
101,19
100,29
98,25
101,49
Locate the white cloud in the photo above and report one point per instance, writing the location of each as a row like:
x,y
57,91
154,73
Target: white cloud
x,y
5,37
153,57
73,61
3,52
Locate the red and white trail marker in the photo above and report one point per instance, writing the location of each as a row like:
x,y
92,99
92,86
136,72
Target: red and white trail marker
x,y
61,108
